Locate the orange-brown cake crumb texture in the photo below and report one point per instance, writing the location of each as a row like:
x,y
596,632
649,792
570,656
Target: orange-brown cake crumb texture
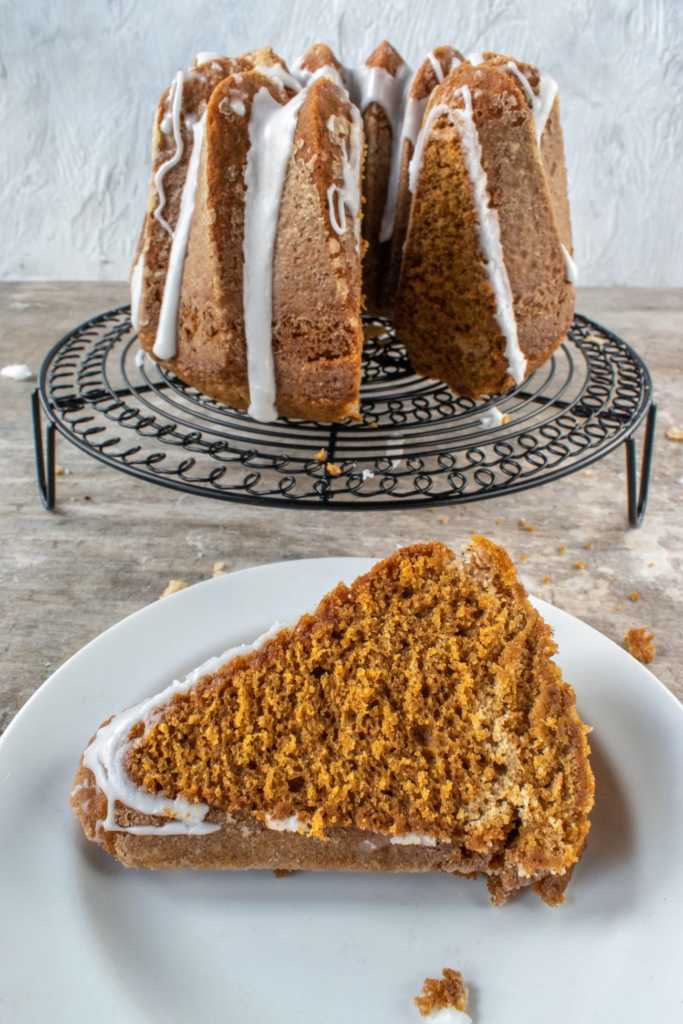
x,y
640,643
448,991
420,700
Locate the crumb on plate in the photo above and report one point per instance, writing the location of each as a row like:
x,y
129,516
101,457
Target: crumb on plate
x,y
447,992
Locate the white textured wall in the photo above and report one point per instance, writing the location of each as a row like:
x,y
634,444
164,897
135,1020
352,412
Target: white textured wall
x,y
79,80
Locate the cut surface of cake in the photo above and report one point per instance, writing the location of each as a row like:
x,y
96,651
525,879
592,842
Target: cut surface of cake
x,y
415,721
250,273
485,290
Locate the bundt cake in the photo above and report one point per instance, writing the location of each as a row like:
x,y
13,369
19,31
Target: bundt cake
x,y
253,267
414,722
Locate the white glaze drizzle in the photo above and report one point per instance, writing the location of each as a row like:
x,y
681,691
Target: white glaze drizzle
x,y
205,57
271,133
571,271
436,66
175,103
17,371
447,1015
492,418
488,226
413,839
106,755
348,196
136,281
305,77
412,119
278,73
165,343
377,85
475,58
542,104
291,824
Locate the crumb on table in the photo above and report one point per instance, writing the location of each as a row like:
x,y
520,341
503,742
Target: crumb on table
x,y
588,546
524,524
639,642
562,550
634,595
442,993
524,558
675,434
580,564
333,469
547,579
218,568
173,586
442,519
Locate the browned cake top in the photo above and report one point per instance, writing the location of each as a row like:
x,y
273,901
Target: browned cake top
x,y
420,700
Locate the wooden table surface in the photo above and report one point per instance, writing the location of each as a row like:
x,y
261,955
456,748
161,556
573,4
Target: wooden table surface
x,y
114,542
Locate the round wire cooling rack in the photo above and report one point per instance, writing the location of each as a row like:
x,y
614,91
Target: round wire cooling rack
x,y
417,443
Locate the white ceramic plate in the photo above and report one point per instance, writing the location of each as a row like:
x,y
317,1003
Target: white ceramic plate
x,y
82,939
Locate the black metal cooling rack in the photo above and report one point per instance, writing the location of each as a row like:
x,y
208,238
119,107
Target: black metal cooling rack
x,y
418,444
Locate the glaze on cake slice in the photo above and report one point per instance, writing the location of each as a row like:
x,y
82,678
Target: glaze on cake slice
x,y
484,296
414,722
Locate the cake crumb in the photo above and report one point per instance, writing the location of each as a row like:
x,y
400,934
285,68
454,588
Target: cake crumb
x,y
523,524
218,569
524,558
448,992
588,546
547,579
320,455
640,643
333,469
580,565
173,586
562,550
634,595
675,434
60,471
500,519
442,519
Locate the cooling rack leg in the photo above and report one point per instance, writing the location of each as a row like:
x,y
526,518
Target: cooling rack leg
x,y
638,494
45,455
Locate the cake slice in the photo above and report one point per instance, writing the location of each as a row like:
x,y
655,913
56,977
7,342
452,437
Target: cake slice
x,y
415,721
485,291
